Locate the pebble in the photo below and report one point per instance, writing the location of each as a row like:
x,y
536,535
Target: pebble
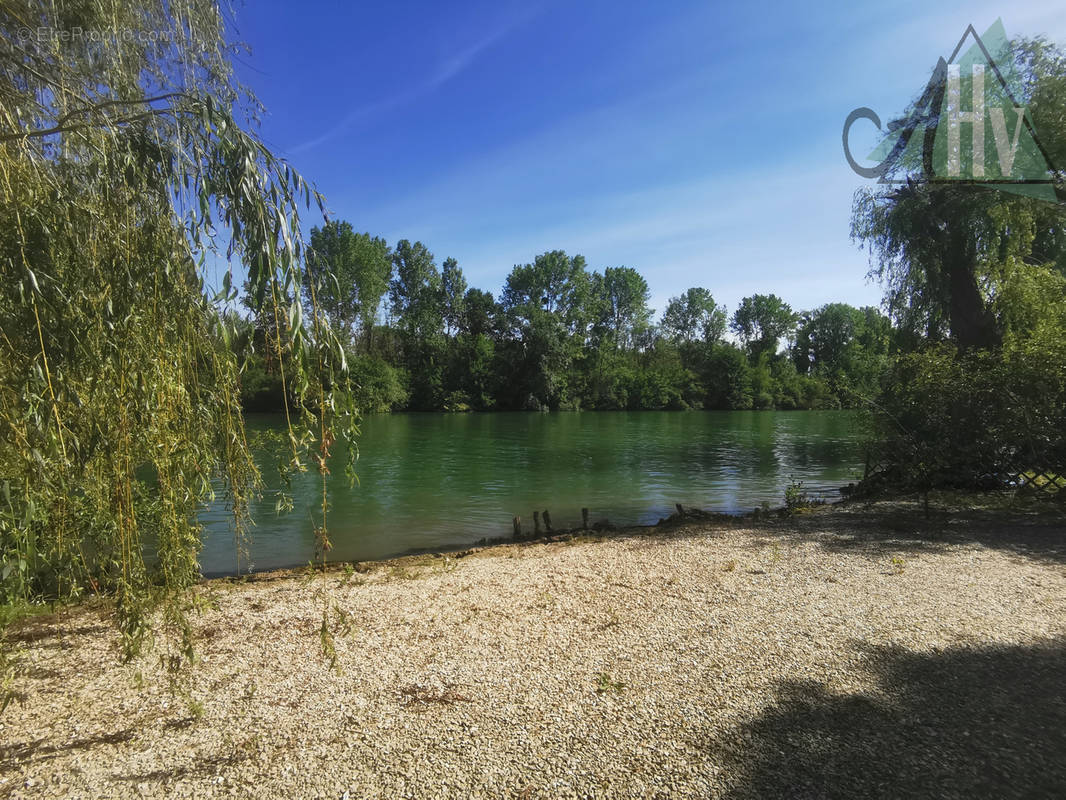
x,y
632,667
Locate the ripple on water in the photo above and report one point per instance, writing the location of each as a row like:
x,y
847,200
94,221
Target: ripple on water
x,y
435,480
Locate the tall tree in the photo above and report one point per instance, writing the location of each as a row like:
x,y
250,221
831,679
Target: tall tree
x,y
480,313
417,302
555,284
825,338
931,244
621,298
546,306
349,273
453,289
761,321
694,316
415,292
943,250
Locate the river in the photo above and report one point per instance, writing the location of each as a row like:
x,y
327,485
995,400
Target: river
x,y
440,480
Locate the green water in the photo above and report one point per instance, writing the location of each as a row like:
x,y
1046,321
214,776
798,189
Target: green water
x,y
437,480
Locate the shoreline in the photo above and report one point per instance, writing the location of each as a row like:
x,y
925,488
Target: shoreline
x,y
592,533
601,528
704,659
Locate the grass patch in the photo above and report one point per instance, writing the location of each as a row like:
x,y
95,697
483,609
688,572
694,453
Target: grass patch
x,y
797,501
606,684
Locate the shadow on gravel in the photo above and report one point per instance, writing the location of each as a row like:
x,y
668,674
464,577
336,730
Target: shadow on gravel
x,y
197,768
35,632
17,755
886,528
987,722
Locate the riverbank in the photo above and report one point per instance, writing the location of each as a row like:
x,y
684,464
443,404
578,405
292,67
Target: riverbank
x,y
854,651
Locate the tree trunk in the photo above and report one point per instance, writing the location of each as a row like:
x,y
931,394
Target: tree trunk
x,y
972,324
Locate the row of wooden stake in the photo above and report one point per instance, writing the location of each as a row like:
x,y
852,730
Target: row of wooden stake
x,y
517,522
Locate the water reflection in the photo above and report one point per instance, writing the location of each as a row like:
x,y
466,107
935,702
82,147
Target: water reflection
x,y
432,480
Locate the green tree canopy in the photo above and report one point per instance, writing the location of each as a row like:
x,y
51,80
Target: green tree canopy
x,y
546,304
415,292
694,316
453,290
480,313
620,305
845,345
825,337
944,251
554,284
349,273
761,321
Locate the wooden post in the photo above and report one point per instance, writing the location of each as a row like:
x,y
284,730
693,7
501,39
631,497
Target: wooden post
x,y
547,521
680,509
584,519
536,522
517,522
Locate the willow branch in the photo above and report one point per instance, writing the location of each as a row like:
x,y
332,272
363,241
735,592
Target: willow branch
x,y
61,125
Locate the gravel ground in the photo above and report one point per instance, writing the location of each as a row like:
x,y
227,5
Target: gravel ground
x,y
857,652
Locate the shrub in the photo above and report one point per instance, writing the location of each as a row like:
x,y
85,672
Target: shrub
x,y
967,420
377,385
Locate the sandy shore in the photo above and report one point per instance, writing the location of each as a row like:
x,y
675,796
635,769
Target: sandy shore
x,y
847,653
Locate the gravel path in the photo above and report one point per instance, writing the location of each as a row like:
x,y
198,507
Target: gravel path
x,y
861,653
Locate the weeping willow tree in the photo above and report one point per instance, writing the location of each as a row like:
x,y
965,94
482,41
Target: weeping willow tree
x,y
128,162
975,278
947,250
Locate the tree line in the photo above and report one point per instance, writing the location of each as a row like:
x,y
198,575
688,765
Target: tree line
x,y
561,337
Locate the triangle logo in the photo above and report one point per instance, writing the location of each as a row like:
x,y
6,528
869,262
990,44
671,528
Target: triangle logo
x,y
970,126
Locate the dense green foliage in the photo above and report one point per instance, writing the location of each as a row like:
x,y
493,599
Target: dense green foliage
x,y
347,275
124,163
564,337
975,285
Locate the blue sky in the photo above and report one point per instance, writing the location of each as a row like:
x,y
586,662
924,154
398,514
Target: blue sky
x,y
698,143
